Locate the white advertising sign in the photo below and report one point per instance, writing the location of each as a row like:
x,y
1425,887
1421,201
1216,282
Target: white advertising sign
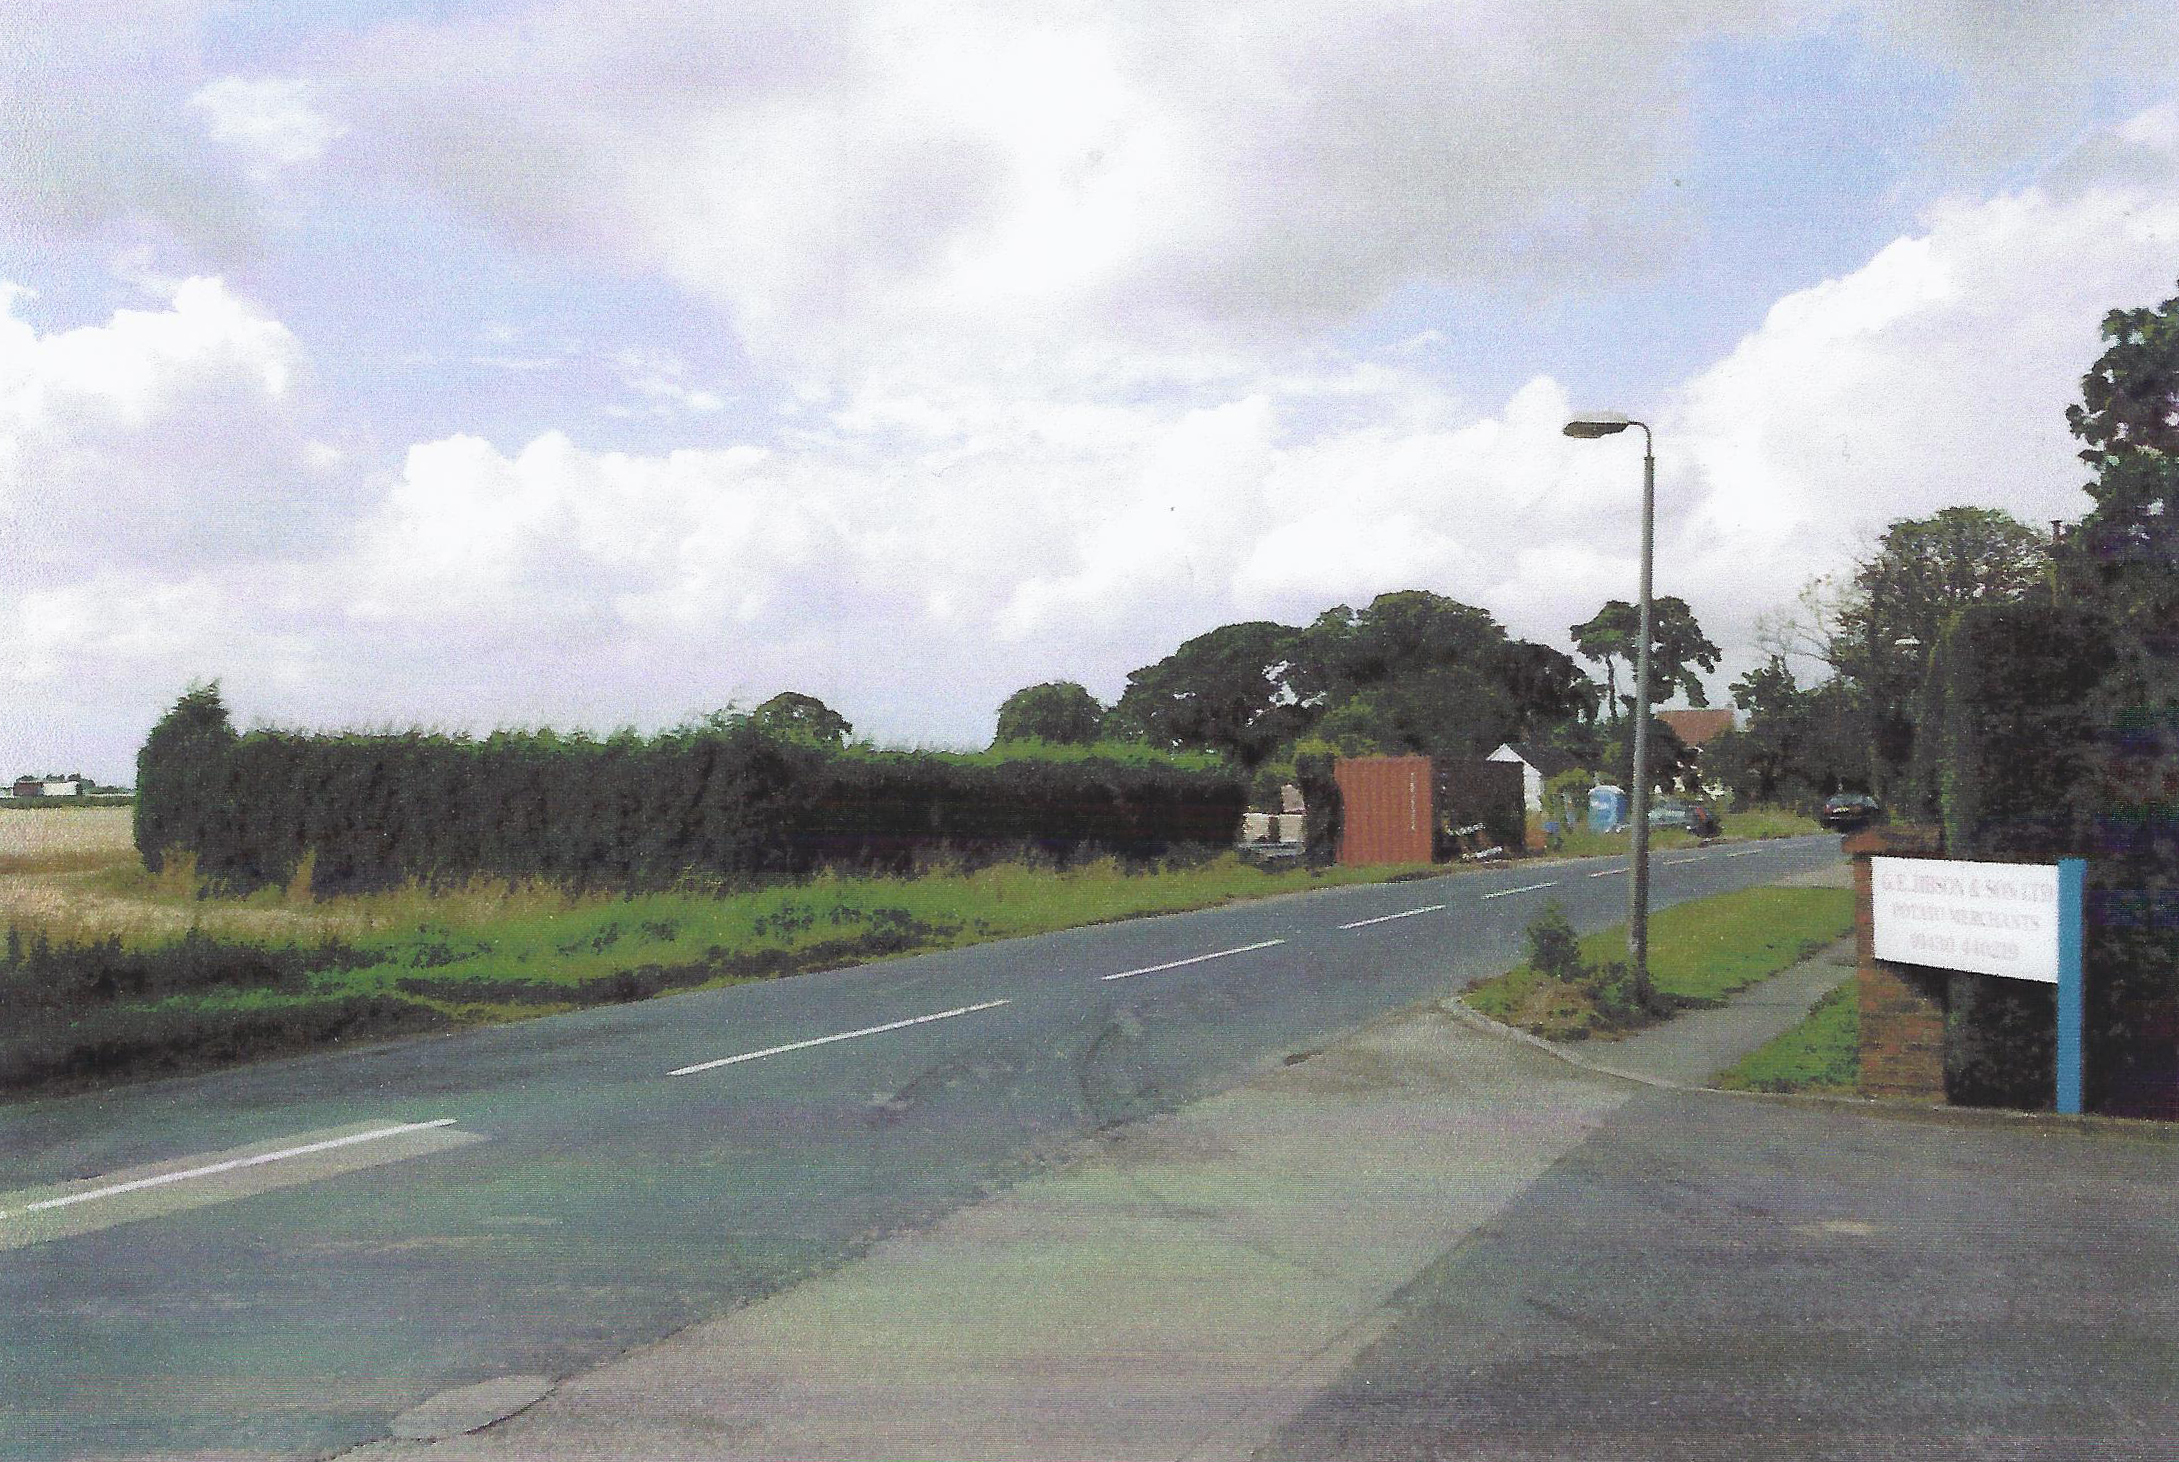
x,y
1986,918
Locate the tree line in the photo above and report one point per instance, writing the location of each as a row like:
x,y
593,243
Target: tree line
x,y
1413,672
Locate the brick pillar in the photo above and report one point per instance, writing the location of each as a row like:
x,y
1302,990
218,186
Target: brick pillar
x,y
1902,1006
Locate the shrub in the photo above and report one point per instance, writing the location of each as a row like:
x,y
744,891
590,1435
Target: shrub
x,y
1553,947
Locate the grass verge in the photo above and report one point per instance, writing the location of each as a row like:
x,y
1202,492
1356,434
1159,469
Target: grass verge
x,y
1700,953
102,992
1821,1055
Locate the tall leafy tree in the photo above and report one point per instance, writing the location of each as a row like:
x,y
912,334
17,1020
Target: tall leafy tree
x,y
1678,648
793,716
1231,690
1445,710
1399,634
1924,572
2127,548
1607,639
1060,711
1548,691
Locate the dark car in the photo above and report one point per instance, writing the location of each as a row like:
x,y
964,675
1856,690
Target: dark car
x,y
1851,810
1696,817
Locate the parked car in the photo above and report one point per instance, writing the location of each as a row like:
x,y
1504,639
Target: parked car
x,y
1851,810
1696,817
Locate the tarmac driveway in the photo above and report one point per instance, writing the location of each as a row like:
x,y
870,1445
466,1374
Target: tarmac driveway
x,y
1711,1277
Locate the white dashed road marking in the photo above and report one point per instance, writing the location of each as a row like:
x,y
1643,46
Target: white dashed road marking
x,y
177,1185
868,1030
114,1189
1191,960
1388,918
1524,888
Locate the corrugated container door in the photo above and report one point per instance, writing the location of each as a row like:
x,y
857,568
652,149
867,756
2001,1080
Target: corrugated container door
x,y
1389,815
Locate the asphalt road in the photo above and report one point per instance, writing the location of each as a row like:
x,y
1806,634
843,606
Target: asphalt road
x,y
281,1259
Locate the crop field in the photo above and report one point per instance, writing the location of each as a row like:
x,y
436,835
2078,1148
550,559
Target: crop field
x,y
42,839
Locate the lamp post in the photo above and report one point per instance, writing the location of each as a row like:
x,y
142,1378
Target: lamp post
x,y
1604,424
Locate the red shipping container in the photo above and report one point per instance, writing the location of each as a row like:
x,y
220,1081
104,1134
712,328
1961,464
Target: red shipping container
x,y
1389,816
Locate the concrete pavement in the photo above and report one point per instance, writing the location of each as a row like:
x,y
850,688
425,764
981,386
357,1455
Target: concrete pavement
x,y
1291,1269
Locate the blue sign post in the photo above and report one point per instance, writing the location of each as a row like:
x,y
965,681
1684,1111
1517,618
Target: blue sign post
x,y
2072,880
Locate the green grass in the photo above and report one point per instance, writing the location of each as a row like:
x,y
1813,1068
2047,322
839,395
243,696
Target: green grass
x,y
1753,823
1821,1055
1580,842
1700,953
1768,822
558,952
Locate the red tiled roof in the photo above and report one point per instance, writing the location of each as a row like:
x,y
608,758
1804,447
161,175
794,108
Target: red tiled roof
x,y
1696,727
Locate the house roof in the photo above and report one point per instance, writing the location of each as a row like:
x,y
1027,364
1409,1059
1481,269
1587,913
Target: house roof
x,y
1696,727
1548,761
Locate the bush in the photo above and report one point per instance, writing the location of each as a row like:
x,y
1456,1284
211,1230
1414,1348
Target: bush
x,y
1553,947
1554,951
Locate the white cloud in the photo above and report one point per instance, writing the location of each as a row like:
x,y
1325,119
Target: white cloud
x,y
1052,295
1937,374
877,181
272,121
916,190
169,435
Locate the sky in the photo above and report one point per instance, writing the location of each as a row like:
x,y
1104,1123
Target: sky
x,y
478,363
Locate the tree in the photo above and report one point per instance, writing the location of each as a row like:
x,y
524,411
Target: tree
x,y
1677,648
1607,639
1399,634
2129,418
1799,745
1230,691
1413,671
1547,689
1058,711
793,716
1447,710
1924,573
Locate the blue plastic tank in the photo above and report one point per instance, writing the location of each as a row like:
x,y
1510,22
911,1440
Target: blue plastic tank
x,y
1607,809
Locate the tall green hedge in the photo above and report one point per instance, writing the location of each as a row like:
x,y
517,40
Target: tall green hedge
x,y
2048,733
627,811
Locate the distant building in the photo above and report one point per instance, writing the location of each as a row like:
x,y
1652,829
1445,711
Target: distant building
x,y
1694,728
70,786
1539,764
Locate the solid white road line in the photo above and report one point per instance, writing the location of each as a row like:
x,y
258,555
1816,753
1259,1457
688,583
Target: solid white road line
x,y
1607,873
869,1030
1525,888
1193,960
1747,852
230,1165
1388,918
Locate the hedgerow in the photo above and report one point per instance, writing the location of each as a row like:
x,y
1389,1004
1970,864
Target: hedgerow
x,y
632,812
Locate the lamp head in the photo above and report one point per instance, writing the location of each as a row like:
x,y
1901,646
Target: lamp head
x,y
1598,424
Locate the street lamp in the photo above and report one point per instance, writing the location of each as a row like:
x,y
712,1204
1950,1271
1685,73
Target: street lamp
x,y
1603,424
